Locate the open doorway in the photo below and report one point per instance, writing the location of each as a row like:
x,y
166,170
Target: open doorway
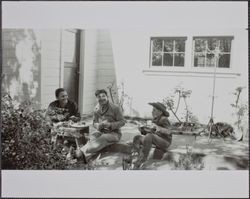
x,y
71,51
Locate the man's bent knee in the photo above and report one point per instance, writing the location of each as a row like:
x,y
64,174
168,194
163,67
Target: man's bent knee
x,y
110,138
137,139
148,137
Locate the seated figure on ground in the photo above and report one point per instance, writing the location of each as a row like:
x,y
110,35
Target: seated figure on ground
x,y
108,119
61,110
158,134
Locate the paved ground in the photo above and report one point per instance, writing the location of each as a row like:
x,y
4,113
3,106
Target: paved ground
x,y
217,154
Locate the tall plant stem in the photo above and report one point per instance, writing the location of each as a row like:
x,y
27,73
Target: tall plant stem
x,y
178,103
184,98
175,115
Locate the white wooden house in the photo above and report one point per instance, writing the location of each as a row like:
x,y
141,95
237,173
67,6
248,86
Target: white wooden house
x,y
37,61
149,62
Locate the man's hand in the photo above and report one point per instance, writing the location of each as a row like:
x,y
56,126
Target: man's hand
x,y
74,118
98,126
157,128
60,117
106,125
102,125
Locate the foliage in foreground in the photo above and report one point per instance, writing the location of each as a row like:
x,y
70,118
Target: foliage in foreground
x,y
26,138
189,161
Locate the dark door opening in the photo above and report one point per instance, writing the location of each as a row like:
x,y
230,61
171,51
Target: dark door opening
x,y
71,52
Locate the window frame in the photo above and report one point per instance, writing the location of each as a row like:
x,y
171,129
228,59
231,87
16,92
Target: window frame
x,y
209,37
162,52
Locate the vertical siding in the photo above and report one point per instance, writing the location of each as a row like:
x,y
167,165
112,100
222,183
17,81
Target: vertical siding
x,y
51,65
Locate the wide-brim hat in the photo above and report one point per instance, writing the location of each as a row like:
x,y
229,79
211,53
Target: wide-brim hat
x,y
161,107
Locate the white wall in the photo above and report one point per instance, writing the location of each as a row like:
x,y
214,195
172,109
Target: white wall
x,y
131,54
105,60
88,75
97,66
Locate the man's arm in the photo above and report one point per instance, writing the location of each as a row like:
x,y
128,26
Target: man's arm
x,y
52,115
120,121
76,111
164,128
76,114
96,123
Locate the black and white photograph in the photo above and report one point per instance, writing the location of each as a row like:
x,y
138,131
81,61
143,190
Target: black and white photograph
x,y
129,98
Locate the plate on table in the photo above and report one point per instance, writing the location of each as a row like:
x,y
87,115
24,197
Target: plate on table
x,y
78,125
61,124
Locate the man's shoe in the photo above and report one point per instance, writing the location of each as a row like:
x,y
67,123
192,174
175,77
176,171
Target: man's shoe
x,y
80,155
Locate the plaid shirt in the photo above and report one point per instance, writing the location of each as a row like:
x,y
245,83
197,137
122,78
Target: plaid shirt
x,y
56,113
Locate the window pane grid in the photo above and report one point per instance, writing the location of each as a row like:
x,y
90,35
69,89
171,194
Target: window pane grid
x,y
204,58
170,55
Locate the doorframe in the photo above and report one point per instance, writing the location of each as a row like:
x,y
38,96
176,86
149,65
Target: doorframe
x,y
81,70
61,61
78,55
78,61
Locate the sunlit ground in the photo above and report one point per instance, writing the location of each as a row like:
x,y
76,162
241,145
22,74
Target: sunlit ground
x,y
217,154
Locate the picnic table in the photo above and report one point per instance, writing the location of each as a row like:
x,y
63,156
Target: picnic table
x,y
76,132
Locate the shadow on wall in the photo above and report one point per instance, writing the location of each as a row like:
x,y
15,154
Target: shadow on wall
x,y
21,64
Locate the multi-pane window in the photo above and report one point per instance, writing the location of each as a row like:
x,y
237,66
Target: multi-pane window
x,y
204,51
166,51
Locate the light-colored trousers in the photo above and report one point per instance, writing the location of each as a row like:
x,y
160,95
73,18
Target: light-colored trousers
x,y
99,141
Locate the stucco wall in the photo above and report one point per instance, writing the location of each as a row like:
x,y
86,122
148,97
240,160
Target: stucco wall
x,y
131,53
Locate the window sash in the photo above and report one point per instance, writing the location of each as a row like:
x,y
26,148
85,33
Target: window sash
x,y
206,53
163,52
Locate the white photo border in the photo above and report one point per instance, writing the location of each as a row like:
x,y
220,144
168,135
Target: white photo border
x,y
115,184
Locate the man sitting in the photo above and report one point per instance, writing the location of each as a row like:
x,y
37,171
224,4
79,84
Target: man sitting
x,y
158,134
61,110
108,119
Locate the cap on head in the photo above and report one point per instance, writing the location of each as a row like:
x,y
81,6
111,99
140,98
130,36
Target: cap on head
x,y
161,107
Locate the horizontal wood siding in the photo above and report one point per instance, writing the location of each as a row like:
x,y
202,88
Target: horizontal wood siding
x,y
89,70
50,65
99,70
105,65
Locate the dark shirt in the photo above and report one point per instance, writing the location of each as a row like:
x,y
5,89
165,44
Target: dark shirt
x,y
164,123
58,114
110,113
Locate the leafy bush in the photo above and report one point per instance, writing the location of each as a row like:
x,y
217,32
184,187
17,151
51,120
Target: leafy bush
x,y
240,113
26,139
189,161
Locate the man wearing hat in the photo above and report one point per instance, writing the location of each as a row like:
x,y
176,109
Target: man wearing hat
x,y
159,135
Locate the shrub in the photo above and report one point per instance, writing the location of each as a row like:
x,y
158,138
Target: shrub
x,y
189,161
26,138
